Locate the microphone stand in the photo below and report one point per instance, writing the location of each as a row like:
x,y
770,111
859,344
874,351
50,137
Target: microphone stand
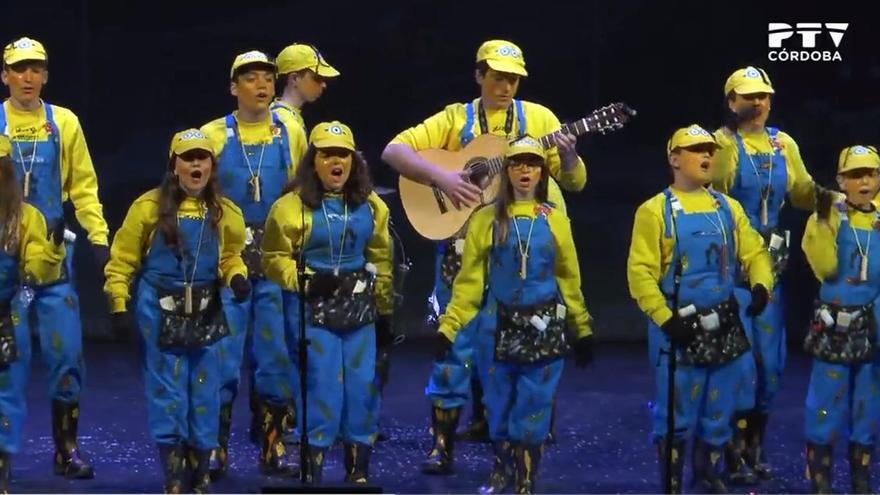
x,y
305,472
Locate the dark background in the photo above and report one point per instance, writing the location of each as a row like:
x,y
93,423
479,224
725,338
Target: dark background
x,y
137,72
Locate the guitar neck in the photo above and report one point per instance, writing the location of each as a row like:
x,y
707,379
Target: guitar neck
x,y
576,128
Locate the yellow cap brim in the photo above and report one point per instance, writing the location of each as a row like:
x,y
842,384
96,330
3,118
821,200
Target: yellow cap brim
x,y
505,66
325,70
855,164
257,63
690,142
22,55
192,144
332,142
753,87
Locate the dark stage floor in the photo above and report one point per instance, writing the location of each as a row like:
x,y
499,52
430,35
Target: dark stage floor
x,y
603,436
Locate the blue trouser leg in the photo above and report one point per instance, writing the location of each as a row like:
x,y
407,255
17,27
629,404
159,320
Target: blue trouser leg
x,y
13,380
360,410
688,388
291,332
325,380
747,387
231,348
826,409
534,387
450,383
769,349
204,396
166,375
273,367
865,407
497,389
718,403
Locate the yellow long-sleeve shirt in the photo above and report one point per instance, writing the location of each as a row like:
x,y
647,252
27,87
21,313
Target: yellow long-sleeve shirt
x,y
820,239
292,116
78,180
442,129
133,241
39,259
285,234
258,133
800,184
467,290
650,251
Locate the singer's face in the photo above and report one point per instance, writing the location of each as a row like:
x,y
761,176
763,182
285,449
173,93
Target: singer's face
x,y
860,185
756,105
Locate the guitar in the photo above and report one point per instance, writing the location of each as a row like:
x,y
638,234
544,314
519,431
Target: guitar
x,y
431,212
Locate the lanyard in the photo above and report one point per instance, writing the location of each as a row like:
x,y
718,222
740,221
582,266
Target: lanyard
x,y
484,123
523,252
187,284
330,234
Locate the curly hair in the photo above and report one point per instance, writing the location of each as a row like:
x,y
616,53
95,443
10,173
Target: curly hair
x,y
10,207
311,190
171,195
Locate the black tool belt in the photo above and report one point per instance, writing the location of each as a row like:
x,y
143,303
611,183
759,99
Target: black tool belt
x,y
719,335
776,241
842,334
527,334
351,306
252,252
204,325
8,348
450,263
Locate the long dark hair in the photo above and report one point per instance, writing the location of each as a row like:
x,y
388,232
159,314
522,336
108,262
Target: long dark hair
x,y
505,198
311,190
171,195
10,207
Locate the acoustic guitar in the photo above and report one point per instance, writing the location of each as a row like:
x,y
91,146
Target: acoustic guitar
x,y
430,210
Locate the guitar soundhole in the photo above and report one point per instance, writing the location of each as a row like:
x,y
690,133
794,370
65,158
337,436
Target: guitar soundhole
x,y
478,169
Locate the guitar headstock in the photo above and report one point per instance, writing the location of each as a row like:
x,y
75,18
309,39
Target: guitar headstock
x,y
608,118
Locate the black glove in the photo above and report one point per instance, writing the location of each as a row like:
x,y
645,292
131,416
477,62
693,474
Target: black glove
x,y
583,351
384,332
760,297
322,285
678,330
56,235
122,324
824,200
441,345
241,287
102,255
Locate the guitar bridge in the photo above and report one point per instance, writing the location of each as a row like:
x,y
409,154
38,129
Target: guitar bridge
x,y
441,201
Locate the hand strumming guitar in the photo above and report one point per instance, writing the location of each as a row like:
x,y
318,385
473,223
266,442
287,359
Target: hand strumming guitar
x,y
457,187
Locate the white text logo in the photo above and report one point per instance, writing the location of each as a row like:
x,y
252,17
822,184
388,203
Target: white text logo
x,y
810,35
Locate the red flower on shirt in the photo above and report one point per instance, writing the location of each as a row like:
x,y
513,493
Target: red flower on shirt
x,y
48,127
542,209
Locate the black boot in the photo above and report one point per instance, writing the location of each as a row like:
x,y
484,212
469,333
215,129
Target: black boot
x,y
678,449
503,469
819,467
860,467
357,462
200,462
738,472
5,470
754,454
443,424
315,466
68,462
288,424
707,468
220,456
173,461
477,429
274,459
527,459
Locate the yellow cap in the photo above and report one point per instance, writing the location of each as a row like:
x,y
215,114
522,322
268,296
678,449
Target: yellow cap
x,y
332,135
251,57
747,81
503,56
188,140
856,157
24,49
5,146
691,135
299,56
526,145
